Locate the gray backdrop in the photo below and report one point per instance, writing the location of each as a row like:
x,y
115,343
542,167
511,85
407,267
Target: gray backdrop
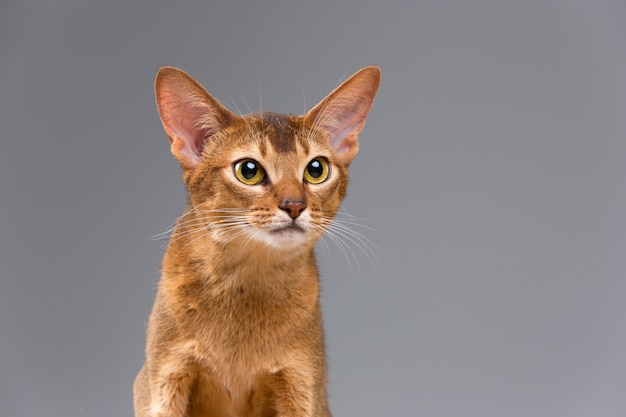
x,y
492,170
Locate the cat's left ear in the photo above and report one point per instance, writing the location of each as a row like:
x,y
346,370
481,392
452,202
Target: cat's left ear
x,y
343,112
190,115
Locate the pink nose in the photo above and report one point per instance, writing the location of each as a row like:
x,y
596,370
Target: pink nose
x,y
293,208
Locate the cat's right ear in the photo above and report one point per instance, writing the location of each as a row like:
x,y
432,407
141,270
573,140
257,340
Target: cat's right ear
x,y
343,112
190,115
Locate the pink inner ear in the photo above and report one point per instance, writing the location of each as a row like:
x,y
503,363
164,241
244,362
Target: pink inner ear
x,y
189,114
343,112
347,124
182,124
343,119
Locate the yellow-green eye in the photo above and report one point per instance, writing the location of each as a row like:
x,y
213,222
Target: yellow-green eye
x,y
317,171
249,172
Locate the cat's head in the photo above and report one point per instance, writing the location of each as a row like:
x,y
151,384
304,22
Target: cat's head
x,y
270,179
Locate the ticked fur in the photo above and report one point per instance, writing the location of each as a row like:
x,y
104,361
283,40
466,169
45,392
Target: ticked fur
x,y
236,327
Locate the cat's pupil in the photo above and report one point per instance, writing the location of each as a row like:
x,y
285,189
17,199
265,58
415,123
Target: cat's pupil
x,y
249,170
315,169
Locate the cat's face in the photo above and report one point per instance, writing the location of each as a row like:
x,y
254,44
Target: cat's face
x,y
265,179
271,180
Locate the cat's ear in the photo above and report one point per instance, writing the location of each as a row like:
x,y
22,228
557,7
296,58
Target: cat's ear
x,y
190,115
343,112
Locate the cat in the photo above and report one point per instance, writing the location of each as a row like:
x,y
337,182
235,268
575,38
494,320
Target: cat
x,y
236,327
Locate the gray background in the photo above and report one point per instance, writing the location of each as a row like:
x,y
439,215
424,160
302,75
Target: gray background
x,y
492,168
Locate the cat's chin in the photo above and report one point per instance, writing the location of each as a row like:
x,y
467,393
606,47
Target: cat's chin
x,y
286,237
289,229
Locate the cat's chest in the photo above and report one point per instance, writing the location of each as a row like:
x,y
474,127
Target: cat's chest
x,y
240,333
242,316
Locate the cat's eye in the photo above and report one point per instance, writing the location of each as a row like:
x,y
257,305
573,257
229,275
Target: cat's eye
x,y
317,171
249,172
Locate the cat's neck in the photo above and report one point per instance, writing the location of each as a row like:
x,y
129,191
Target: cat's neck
x,y
193,257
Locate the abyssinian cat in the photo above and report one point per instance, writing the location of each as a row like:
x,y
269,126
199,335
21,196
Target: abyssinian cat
x,y
236,327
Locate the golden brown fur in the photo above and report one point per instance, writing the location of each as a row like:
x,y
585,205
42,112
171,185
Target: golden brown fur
x,y
236,327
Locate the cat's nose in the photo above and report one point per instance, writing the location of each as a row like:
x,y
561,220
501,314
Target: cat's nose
x,y
293,207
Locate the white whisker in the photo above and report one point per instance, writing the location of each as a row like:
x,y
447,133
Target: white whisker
x,y
342,233
197,220
345,250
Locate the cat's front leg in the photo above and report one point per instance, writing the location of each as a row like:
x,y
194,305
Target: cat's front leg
x,y
170,387
299,393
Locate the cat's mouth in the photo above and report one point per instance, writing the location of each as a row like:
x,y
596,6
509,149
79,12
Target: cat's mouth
x,y
290,228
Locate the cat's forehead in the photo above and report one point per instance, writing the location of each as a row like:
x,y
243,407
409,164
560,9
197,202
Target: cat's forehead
x,y
277,136
279,131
